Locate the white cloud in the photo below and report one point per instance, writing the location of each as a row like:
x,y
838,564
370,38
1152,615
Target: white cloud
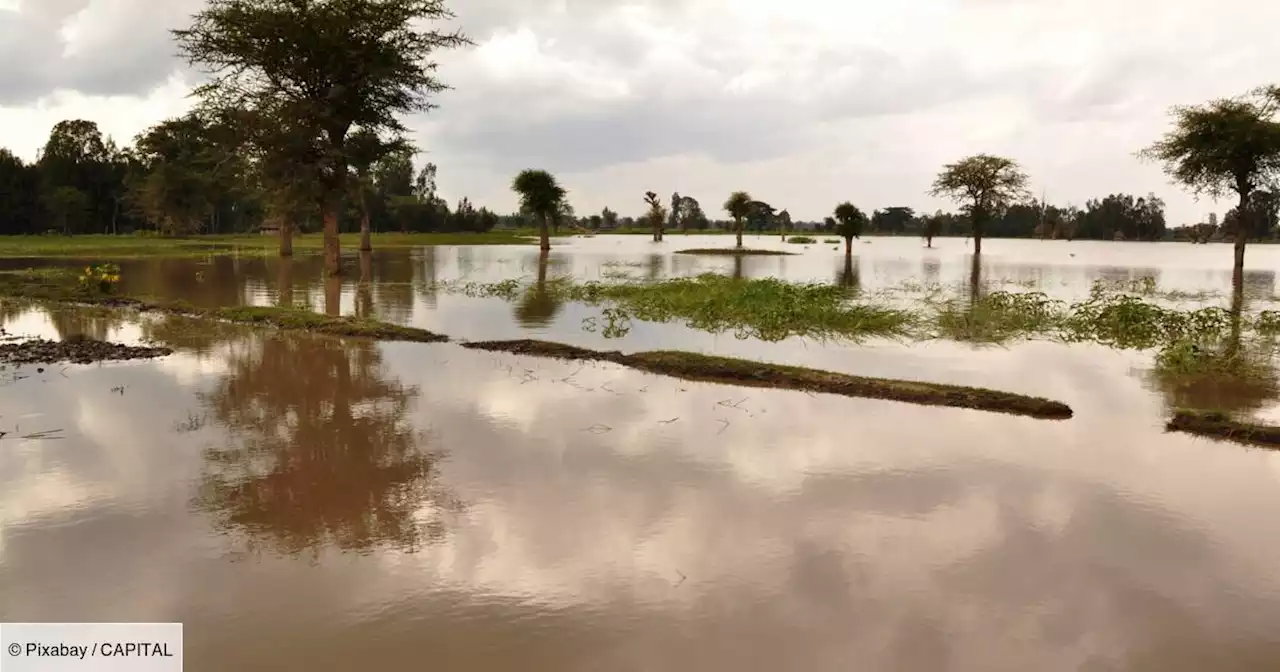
x,y
809,102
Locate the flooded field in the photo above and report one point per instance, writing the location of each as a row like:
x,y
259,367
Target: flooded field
x,y
312,503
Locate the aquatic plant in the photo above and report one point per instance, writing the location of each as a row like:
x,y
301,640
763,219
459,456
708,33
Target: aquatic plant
x,y
102,278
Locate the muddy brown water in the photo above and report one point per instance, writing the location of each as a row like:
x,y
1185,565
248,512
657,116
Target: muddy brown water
x,y
313,504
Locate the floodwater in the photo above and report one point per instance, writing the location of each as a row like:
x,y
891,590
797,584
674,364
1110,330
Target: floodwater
x,y
317,504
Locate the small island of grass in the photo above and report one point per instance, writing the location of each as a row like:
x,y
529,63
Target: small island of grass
x,y
730,371
1219,425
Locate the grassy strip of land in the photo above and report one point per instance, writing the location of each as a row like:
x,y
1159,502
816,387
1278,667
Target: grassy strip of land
x,y
100,247
59,285
1218,425
729,371
734,252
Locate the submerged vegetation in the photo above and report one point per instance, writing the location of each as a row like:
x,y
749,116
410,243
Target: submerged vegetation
x,y
708,368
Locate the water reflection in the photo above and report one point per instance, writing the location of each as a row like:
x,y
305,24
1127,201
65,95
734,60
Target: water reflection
x,y
847,275
319,452
1243,378
538,307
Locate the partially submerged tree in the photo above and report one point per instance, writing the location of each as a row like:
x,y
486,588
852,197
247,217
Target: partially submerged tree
x,y
657,216
1224,146
983,184
849,224
328,66
366,149
540,196
739,207
932,227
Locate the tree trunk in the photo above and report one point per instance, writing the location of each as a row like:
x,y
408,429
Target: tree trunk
x,y
737,228
848,247
286,237
543,234
977,232
332,247
366,244
1242,230
928,241
333,295
284,284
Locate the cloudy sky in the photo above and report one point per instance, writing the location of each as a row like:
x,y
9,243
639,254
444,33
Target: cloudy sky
x,y
803,103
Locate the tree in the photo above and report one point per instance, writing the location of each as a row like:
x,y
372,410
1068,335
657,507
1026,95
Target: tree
x,y
20,207
76,156
676,220
738,206
608,219
656,216
983,183
784,223
1226,145
932,227
328,65
366,149
851,221
540,196
69,208
892,220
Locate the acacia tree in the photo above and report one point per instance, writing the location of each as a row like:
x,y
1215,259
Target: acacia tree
x,y
983,183
739,207
849,224
327,65
540,196
1227,145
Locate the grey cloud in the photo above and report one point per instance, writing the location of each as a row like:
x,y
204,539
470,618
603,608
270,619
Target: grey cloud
x,y
114,61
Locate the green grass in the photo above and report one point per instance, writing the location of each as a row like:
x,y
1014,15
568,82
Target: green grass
x,y
765,308
731,371
126,246
802,240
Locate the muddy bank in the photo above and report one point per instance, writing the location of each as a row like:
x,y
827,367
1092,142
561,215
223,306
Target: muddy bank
x,y
74,351
706,368
1218,425
733,252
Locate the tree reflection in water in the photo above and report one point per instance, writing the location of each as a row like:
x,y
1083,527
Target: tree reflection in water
x,y
847,275
538,307
320,451
1236,376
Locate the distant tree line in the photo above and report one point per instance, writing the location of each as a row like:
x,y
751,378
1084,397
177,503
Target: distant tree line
x,y
188,176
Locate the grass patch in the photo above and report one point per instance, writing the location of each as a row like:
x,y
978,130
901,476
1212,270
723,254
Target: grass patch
x,y
997,317
802,240
725,370
734,252
1219,425
764,308
831,241
128,246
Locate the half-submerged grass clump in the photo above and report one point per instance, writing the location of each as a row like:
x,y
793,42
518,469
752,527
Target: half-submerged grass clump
x,y
734,252
802,240
730,371
305,320
997,317
1220,425
764,308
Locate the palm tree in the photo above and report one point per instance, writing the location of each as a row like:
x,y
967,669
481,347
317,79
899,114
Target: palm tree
x,y
738,206
850,222
540,195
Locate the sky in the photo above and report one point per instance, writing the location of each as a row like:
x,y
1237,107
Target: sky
x,y
803,103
